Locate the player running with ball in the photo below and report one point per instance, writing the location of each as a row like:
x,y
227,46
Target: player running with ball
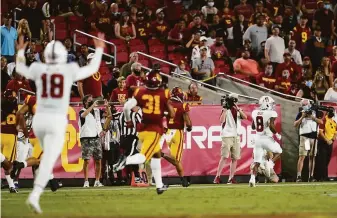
x,y
53,84
263,123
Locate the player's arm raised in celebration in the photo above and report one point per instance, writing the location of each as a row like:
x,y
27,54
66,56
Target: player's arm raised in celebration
x,y
21,66
93,66
128,106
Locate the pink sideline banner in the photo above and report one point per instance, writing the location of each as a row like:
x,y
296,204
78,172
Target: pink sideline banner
x,y
201,146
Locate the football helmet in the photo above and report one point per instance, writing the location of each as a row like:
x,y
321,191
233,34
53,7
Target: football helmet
x,y
153,79
177,94
266,103
55,53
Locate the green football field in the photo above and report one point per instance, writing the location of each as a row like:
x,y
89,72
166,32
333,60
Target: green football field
x,y
266,200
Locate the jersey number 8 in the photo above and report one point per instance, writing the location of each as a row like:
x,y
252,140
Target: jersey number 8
x,y
55,85
259,124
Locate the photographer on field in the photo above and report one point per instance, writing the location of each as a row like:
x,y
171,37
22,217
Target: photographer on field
x,y
308,121
230,118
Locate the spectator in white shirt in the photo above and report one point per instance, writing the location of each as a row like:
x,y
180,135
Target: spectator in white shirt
x,y
295,54
331,94
274,48
196,49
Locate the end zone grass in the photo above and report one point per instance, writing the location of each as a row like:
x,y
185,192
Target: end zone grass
x,y
281,200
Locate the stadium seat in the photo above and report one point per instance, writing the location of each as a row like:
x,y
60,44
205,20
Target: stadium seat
x,y
105,78
140,47
122,57
58,19
144,62
171,48
157,48
82,40
160,55
166,69
219,63
134,42
117,42
38,48
104,70
61,26
175,57
152,42
61,34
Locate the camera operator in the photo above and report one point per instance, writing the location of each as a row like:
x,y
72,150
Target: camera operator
x,y
307,120
326,138
230,118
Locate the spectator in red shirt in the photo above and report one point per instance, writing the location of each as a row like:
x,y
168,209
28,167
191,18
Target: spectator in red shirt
x,y
333,58
120,94
176,36
245,9
301,33
143,28
160,27
283,84
18,82
192,95
275,8
135,79
267,78
125,29
218,50
92,85
324,18
295,72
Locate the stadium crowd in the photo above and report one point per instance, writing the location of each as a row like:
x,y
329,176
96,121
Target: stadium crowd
x,y
287,46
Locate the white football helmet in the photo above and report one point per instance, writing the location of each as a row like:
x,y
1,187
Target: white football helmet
x,y
55,53
266,103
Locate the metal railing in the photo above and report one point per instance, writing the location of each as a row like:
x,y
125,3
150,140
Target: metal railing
x,y
191,79
94,37
25,91
15,20
261,87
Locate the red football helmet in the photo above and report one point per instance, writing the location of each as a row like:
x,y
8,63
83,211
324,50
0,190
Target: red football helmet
x,y
177,94
153,79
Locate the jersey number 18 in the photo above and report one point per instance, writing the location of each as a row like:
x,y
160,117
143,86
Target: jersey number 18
x,y
55,87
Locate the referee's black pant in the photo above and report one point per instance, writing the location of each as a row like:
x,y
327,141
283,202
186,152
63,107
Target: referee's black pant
x,y
129,144
323,157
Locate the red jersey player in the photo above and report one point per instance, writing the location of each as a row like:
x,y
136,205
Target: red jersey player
x,y
267,78
153,101
175,133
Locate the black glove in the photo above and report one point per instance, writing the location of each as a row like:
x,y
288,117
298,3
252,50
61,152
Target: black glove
x,y
189,128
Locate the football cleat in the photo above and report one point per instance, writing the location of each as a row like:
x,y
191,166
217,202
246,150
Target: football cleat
x,y
162,189
98,184
232,181
184,182
16,184
120,164
86,184
217,180
299,179
54,185
17,166
138,180
33,203
312,179
252,182
13,190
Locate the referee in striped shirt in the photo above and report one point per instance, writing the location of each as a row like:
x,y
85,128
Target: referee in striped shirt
x,y
128,140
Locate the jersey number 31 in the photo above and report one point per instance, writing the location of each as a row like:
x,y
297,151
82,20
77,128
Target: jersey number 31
x,y
52,86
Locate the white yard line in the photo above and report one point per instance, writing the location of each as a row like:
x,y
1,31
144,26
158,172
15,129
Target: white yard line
x,y
109,188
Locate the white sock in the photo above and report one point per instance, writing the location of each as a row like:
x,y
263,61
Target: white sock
x,y
37,191
51,176
97,181
10,181
252,177
156,172
298,174
24,163
135,159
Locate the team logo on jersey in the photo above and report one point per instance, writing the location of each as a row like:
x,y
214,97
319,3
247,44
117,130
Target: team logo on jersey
x,y
96,76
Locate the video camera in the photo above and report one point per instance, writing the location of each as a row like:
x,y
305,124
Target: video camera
x,y
315,107
228,102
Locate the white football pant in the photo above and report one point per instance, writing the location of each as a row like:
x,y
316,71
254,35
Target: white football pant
x,y
265,143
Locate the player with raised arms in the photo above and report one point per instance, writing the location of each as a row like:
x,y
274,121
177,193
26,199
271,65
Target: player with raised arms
x,y
153,101
53,85
264,124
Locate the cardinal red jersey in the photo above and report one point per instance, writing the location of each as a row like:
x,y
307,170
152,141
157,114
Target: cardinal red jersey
x,y
283,86
178,121
275,8
119,95
133,80
160,30
294,71
153,104
246,10
143,30
301,35
266,81
31,102
194,100
8,119
93,85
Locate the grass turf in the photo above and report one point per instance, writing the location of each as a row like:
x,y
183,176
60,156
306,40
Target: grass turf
x,y
281,200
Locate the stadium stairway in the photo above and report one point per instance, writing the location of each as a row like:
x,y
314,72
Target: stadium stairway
x,y
289,110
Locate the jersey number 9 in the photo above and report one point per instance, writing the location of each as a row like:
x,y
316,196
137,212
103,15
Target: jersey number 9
x,y
52,85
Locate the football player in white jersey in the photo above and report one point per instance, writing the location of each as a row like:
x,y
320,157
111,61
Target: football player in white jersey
x,y
53,81
263,123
